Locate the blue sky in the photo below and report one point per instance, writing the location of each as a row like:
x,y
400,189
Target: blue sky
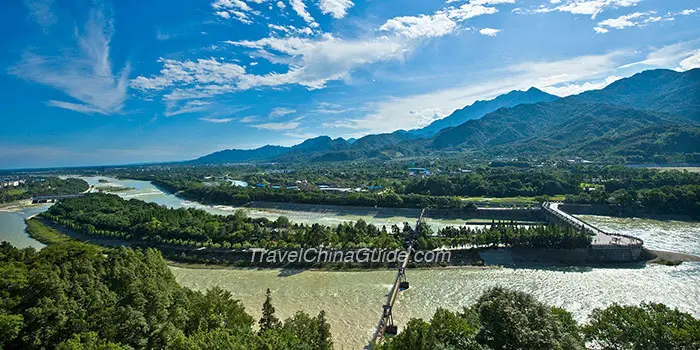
x,y
98,82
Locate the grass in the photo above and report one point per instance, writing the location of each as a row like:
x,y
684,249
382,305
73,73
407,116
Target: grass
x,y
48,235
45,234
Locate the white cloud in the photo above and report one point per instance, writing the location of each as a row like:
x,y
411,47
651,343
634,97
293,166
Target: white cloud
x,y
623,21
172,108
420,26
278,126
582,7
470,10
73,106
668,56
208,76
577,88
300,8
336,8
216,120
83,73
442,22
489,31
235,9
314,62
229,4
281,5
636,19
41,11
280,112
249,119
693,61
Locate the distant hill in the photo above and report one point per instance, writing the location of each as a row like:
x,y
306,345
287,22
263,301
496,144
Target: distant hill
x,y
241,155
480,108
318,144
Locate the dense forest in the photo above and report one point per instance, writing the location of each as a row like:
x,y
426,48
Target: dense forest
x,y
42,186
111,216
505,319
73,296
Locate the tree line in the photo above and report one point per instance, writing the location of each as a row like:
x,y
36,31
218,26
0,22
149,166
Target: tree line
x,y
111,216
668,200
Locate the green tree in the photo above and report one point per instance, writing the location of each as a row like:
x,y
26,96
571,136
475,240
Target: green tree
x,y
645,327
268,319
516,320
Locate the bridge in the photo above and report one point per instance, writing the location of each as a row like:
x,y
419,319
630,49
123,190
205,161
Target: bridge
x,y
53,199
602,238
386,324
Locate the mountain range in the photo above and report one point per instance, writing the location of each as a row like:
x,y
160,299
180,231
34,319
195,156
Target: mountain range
x,y
653,113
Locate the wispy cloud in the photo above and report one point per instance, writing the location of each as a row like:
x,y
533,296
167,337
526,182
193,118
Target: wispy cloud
x,y
216,120
670,56
577,88
580,7
249,119
193,106
280,112
42,12
290,125
83,72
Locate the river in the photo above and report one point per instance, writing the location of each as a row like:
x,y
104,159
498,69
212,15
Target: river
x,y
353,300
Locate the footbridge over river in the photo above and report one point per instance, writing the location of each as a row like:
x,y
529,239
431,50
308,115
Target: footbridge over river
x,y
386,326
555,215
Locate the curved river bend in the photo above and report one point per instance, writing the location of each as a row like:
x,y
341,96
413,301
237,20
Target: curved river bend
x,y
353,300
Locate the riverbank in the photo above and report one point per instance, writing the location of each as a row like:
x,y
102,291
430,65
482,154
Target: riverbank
x,y
17,205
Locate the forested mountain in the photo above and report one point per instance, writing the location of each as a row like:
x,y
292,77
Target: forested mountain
x,y
556,124
662,90
480,108
651,115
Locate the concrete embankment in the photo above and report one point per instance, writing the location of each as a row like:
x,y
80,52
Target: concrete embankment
x,y
584,256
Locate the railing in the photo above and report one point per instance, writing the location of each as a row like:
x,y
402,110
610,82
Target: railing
x,y
583,225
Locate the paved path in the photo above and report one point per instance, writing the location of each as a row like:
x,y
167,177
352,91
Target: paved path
x,y
601,237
